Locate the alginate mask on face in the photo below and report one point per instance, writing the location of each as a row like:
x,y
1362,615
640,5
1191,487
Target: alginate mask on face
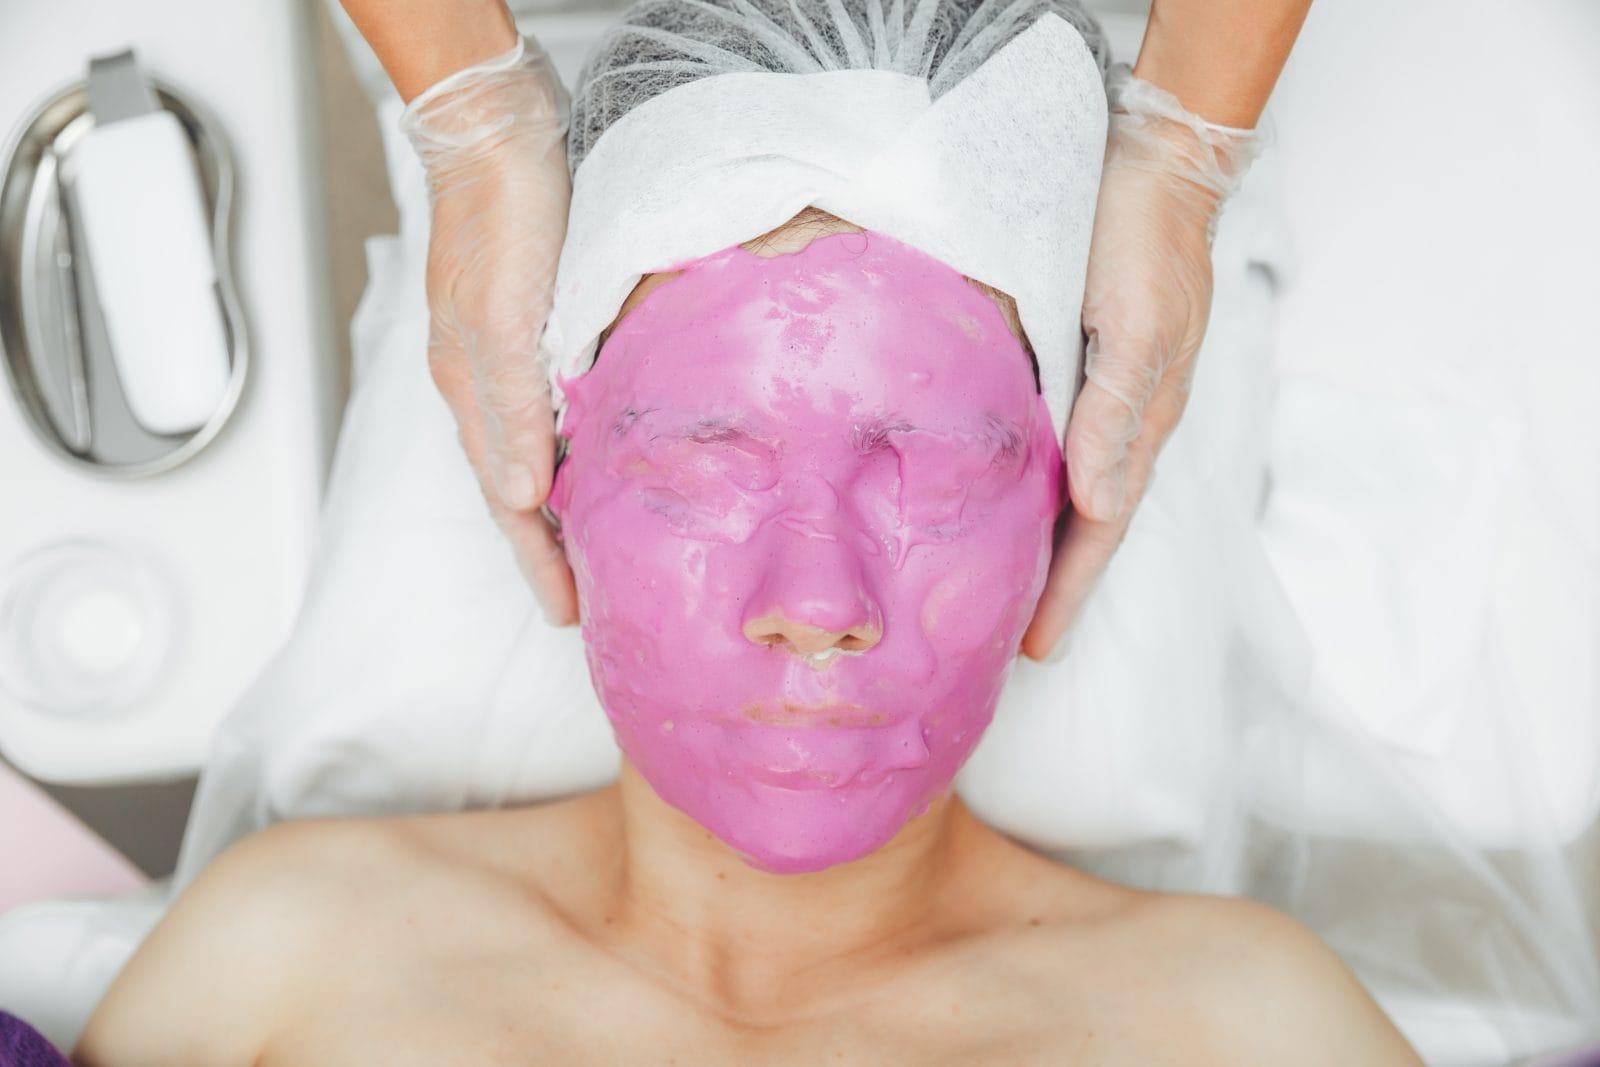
x,y
808,500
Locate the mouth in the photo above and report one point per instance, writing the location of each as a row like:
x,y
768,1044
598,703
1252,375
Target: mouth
x,y
789,713
800,781
814,756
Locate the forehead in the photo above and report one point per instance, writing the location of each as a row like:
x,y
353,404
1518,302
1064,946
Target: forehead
x,y
852,325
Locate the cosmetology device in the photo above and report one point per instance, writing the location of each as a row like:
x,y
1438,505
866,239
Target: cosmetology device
x,y
163,440
123,334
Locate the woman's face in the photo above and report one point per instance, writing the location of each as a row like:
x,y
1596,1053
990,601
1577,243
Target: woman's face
x,y
808,501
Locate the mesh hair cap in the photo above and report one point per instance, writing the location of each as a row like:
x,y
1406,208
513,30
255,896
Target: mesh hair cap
x,y
662,44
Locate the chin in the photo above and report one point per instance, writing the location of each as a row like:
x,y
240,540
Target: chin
x,y
802,831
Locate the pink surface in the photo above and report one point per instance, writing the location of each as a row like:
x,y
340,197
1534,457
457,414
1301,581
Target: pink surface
x,y
808,503
46,852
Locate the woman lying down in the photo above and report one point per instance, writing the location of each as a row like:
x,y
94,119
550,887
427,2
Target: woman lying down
x,y
808,497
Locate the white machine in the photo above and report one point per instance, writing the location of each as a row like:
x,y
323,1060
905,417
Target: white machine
x,y
173,385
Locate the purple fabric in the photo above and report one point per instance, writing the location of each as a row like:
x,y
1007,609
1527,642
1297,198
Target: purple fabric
x,y
22,1046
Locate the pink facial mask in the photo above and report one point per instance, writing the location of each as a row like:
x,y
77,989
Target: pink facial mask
x,y
808,501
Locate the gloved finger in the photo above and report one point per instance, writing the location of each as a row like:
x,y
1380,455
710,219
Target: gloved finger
x,y
489,291
447,362
543,562
512,392
1106,418
1100,435
1085,545
1083,548
538,551
1166,408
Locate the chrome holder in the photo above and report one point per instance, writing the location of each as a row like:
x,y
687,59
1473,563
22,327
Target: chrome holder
x,y
52,337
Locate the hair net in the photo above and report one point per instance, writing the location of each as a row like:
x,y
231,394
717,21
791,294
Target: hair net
x,y
662,44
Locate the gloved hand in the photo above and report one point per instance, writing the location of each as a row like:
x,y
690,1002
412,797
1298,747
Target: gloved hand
x,y
492,139
1146,300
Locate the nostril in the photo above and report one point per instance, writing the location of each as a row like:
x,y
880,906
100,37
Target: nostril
x,y
857,640
807,640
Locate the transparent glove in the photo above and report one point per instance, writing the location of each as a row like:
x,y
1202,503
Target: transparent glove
x,y
1146,301
492,139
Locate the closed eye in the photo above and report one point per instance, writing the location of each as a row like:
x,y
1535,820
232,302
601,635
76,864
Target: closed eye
x,y
750,461
724,435
1005,436
624,421
708,431
711,433
870,437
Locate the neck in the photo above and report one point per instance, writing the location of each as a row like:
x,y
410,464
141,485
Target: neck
x,y
742,938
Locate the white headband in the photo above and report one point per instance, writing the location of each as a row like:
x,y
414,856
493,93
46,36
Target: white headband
x,y
997,178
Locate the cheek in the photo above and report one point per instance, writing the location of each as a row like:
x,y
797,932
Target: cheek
x,y
984,587
985,584
590,505
959,614
629,561
654,601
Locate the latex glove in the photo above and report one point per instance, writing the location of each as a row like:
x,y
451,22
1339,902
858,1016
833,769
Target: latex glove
x,y
1146,300
492,139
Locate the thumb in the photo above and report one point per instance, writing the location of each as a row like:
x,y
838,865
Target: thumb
x,y
1106,418
513,397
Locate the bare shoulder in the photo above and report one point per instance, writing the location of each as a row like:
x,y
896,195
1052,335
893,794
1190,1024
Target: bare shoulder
x,y
1262,987
1201,979
211,982
308,910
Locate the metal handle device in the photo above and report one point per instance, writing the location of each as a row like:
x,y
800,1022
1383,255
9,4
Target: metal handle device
x,y
120,326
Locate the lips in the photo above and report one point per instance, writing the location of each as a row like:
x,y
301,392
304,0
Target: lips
x,y
800,780
807,757
837,716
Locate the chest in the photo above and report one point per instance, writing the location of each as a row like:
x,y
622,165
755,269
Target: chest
x,y
523,1020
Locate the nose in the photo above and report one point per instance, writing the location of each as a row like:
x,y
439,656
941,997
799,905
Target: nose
x,y
813,600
